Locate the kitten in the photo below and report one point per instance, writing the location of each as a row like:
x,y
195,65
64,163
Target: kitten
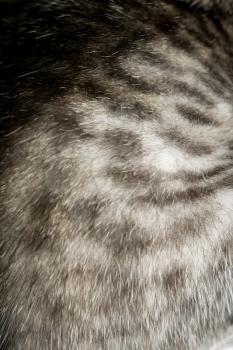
x,y
116,197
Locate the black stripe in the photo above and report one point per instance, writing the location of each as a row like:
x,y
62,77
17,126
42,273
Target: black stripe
x,y
182,141
195,116
190,195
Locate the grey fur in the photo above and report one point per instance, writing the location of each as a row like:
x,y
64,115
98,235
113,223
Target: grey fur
x,y
224,6
116,181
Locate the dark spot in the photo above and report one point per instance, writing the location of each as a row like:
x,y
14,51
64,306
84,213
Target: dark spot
x,y
124,239
166,24
133,109
195,116
218,170
182,43
190,91
93,89
174,281
189,146
69,126
125,144
205,175
132,82
40,221
129,176
216,85
230,320
156,60
162,199
230,145
225,182
85,214
6,336
184,228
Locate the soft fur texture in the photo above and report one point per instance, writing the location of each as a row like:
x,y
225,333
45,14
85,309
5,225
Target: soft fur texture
x,y
221,6
116,177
